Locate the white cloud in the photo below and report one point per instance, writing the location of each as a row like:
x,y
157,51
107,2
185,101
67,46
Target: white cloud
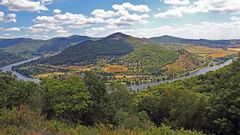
x,y
7,18
127,19
46,2
203,6
94,30
57,11
177,2
131,7
61,24
110,19
235,18
205,30
218,5
25,5
169,14
12,29
101,13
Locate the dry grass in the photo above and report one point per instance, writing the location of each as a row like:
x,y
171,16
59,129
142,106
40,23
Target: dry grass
x,y
210,52
115,68
45,75
183,64
124,76
78,68
234,49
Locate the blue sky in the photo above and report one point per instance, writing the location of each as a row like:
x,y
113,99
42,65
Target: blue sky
x,y
43,19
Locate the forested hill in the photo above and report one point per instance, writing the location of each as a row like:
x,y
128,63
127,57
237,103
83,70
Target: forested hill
x,y
209,43
208,102
7,58
27,45
115,45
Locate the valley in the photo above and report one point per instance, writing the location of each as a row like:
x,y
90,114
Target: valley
x,y
128,60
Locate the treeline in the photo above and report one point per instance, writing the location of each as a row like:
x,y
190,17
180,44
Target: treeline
x,y
7,58
84,105
208,103
73,105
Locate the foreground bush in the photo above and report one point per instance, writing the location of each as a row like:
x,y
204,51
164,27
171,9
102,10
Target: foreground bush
x,y
23,121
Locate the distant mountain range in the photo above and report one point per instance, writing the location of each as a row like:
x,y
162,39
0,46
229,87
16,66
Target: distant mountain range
x,y
210,43
138,54
27,45
87,52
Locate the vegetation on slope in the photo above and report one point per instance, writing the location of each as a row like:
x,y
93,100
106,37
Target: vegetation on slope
x,y
210,101
27,45
203,42
71,104
186,62
149,59
89,52
7,58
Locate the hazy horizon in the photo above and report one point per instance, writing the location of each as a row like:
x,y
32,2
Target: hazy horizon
x,y
192,19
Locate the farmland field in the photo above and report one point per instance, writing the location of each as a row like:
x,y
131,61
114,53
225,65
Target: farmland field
x,y
45,75
115,68
78,68
234,49
210,52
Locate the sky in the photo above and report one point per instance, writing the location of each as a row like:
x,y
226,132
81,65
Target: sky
x,y
44,19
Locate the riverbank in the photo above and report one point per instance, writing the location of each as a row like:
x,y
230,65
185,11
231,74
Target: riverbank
x,y
134,87
8,68
192,74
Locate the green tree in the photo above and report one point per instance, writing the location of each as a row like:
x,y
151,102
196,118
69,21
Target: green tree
x,y
96,87
66,98
14,93
175,107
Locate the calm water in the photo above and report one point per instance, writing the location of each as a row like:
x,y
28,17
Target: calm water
x,y
132,87
8,68
195,73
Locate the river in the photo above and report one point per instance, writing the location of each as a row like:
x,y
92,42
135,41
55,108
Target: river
x,y
8,68
195,73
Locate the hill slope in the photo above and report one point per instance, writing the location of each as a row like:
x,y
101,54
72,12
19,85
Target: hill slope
x,y
209,43
27,45
7,58
61,43
88,52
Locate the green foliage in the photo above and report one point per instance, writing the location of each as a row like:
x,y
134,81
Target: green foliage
x,y
88,52
174,107
208,103
122,113
19,121
66,98
7,58
13,92
98,95
149,59
23,121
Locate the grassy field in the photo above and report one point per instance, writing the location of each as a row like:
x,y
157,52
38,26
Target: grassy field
x,y
78,68
234,49
45,75
115,68
183,64
210,52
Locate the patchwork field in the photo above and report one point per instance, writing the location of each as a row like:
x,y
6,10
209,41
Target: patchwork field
x,y
210,52
115,68
78,68
45,75
234,49
183,64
